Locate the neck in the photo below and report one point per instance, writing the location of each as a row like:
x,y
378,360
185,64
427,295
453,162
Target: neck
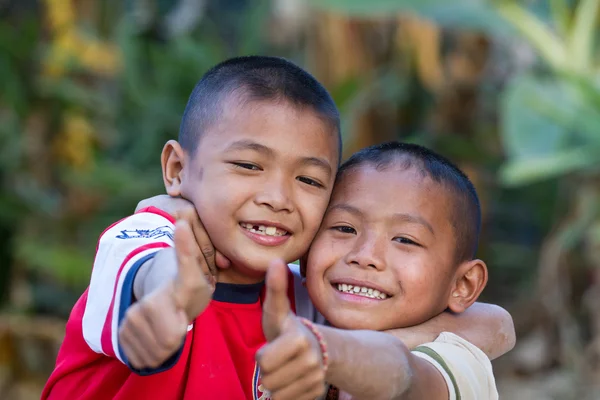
x,y
236,275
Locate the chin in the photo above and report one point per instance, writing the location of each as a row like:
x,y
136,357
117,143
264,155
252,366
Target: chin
x,y
354,321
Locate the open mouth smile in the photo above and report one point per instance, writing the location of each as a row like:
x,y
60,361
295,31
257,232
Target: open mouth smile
x,y
358,290
267,230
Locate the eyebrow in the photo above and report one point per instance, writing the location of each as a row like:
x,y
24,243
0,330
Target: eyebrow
x,y
348,208
317,162
413,219
246,144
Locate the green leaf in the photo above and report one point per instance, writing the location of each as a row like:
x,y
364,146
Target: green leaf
x,y
561,15
581,40
549,128
477,15
550,47
525,132
525,171
72,266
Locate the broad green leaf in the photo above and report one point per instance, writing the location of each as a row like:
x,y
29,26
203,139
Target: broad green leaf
x,y
550,47
477,15
576,111
561,15
525,132
581,40
528,170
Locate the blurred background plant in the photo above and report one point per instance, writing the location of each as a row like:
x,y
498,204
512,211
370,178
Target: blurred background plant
x,y
508,89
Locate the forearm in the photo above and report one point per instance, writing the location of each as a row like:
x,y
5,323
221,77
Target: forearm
x,y
367,364
155,272
487,326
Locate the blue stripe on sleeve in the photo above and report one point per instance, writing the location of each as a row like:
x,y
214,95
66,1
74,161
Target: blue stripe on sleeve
x,y
126,302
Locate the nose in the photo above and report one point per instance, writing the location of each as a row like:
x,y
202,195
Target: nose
x,y
276,194
368,252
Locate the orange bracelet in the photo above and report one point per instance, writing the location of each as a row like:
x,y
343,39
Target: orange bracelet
x,y
312,327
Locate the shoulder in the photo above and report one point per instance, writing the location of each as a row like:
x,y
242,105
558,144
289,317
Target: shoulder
x,y
466,369
148,223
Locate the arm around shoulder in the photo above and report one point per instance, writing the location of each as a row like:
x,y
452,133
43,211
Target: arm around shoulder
x,y
487,326
375,365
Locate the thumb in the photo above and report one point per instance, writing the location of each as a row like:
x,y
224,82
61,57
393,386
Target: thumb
x,y
276,307
189,274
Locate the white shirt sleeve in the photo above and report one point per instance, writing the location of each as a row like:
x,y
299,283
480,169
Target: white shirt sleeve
x,y
466,369
122,250
304,307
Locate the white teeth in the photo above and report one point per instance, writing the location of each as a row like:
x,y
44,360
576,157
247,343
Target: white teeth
x,y
264,230
361,291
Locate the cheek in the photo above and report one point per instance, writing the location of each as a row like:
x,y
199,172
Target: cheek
x,y
312,210
323,254
421,277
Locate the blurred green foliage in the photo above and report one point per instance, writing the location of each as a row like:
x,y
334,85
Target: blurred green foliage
x,y
80,141
508,89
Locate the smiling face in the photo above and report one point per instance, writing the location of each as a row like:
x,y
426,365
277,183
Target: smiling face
x,y
385,254
261,179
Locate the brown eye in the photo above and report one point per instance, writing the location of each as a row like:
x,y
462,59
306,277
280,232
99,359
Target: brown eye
x,y
345,229
309,181
404,240
249,166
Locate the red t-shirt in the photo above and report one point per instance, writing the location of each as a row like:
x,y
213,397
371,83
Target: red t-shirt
x,y
216,360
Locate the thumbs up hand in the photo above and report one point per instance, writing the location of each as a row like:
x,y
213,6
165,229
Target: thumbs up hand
x,y
291,363
155,326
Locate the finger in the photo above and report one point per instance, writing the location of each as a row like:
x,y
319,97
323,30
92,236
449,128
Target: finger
x,y
139,355
207,250
131,353
307,387
276,306
166,329
304,363
189,274
279,352
169,331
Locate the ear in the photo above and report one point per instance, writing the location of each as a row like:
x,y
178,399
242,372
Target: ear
x,y
172,160
470,279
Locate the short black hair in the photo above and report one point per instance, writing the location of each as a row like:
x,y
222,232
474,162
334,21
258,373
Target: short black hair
x,y
253,78
466,217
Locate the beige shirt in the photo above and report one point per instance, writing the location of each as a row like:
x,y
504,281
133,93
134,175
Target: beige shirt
x,y
465,368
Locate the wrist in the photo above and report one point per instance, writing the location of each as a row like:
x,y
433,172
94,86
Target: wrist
x,y
320,339
148,278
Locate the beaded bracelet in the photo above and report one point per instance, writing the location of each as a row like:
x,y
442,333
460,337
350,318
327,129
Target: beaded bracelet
x,y
320,339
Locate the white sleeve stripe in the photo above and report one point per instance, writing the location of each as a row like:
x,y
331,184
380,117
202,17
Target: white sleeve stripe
x,y
115,246
304,307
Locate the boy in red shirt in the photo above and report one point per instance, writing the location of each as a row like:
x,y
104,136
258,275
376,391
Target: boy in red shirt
x,y
258,151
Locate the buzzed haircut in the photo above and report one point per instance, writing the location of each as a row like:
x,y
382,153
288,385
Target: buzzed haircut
x,y
466,218
254,78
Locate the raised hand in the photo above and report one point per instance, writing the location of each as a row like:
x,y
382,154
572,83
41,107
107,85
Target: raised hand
x,y
182,209
155,326
291,363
